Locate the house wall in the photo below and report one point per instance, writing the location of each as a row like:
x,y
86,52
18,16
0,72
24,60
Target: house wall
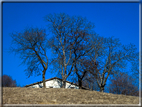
x,y
54,84
68,85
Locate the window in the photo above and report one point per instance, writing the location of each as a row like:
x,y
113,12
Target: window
x,y
50,86
72,87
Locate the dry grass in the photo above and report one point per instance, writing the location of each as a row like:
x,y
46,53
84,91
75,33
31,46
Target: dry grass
x,y
19,95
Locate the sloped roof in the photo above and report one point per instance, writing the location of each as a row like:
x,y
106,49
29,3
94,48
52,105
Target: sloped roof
x,y
52,79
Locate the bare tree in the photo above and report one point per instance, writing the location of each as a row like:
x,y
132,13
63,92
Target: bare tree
x,y
64,30
59,26
81,71
90,82
80,48
109,57
91,77
32,46
7,81
123,84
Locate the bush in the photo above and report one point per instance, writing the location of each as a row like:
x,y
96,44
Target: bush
x,y
7,81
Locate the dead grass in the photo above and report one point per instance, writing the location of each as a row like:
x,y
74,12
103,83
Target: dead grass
x,y
19,95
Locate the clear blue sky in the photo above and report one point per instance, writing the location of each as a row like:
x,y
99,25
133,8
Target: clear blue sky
x,y
120,20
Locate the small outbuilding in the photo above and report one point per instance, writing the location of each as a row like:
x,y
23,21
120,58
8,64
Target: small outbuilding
x,y
54,83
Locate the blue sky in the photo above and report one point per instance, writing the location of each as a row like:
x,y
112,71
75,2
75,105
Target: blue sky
x,y
120,20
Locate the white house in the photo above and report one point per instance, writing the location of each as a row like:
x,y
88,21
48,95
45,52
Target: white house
x,y
54,83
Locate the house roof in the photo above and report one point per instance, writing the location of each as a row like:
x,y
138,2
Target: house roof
x,y
52,79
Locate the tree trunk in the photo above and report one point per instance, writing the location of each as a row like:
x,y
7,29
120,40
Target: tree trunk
x,y
64,84
80,84
91,87
102,89
43,77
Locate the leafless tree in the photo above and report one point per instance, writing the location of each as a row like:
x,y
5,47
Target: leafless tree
x,y
59,24
32,47
81,71
123,84
7,81
80,48
109,57
90,82
66,31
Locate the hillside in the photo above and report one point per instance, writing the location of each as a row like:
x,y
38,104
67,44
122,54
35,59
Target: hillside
x,y
19,95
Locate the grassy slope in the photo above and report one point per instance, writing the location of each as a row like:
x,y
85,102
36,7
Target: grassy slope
x,y
19,95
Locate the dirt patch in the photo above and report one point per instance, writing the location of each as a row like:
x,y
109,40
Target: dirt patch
x,y
19,95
